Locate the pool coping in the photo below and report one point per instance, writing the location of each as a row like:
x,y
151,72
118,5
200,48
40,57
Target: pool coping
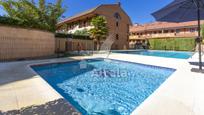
x,y
132,58
48,63
155,50
147,102
152,66
152,51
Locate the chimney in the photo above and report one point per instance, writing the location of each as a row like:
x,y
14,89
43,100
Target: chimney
x,y
119,4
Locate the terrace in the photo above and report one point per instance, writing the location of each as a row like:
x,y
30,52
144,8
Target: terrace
x,y
163,29
43,72
28,92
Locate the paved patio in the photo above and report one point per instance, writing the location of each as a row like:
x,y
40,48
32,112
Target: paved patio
x,y
23,91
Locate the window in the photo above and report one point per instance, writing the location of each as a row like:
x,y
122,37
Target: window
x,y
117,16
166,31
177,30
192,29
172,31
84,24
117,36
79,23
117,24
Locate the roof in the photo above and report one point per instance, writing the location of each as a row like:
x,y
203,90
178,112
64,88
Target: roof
x,y
88,12
78,15
162,25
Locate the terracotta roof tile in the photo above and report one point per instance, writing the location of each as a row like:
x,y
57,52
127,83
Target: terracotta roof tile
x,y
78,15
90,11
162,25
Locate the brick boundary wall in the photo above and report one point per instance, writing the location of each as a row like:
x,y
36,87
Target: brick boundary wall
x,y
19,43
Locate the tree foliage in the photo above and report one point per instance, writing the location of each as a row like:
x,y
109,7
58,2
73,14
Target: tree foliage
x,y
177,44
42,15
73,36
100,29
202,33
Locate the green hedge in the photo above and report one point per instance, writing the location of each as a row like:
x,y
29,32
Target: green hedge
x,y
178,44
61,35
18,23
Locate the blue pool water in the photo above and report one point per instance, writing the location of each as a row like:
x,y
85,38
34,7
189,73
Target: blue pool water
x,y
167,54
104,87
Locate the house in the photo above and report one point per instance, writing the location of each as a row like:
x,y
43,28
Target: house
x,y
118,23
162,30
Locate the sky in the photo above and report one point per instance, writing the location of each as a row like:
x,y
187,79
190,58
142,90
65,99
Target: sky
x,y
138,10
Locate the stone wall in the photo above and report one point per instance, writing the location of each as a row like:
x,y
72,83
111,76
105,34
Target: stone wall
x,y
19,43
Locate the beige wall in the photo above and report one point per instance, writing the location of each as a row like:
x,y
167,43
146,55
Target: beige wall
x,y
18,43
64,45
150,34
123,24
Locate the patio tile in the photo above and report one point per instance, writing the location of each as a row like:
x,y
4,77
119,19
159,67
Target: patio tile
x,y
21,90
8,100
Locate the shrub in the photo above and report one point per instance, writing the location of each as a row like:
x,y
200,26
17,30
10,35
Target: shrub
x,y
178,44
62,35
26,13
19,23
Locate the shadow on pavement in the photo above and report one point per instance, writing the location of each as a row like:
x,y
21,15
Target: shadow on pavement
x,y
56,107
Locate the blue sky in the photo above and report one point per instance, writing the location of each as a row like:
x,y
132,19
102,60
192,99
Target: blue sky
x,y
138,10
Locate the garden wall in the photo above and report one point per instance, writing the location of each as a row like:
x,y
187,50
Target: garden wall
x,y
64,45
19,43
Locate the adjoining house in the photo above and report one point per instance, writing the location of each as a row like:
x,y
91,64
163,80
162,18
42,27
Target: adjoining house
x,y
154,30
118,23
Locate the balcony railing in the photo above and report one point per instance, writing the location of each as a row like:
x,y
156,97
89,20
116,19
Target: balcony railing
x,y
161,35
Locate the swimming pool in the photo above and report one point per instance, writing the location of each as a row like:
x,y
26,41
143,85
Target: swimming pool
x,y
102,87
167,54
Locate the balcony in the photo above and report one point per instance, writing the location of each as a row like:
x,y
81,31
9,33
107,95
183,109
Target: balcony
x,y
79,28
193,34
164,35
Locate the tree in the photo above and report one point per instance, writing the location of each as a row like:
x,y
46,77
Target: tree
x,y
43,15
99,30
42,5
